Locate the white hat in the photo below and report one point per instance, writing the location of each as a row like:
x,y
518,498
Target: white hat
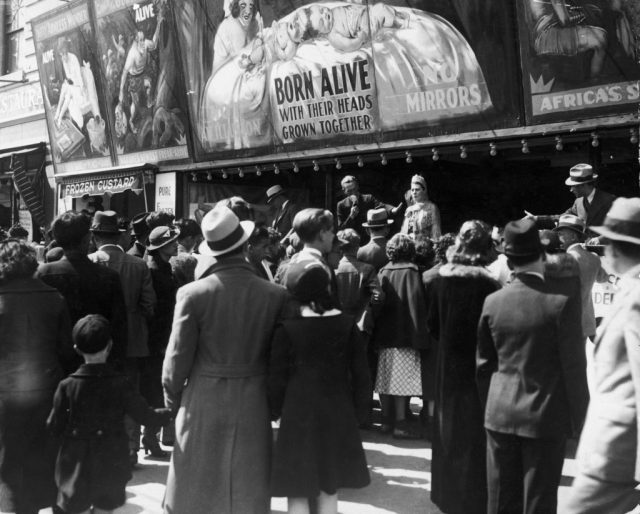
x,y
223,231
274,191
581,174
622,222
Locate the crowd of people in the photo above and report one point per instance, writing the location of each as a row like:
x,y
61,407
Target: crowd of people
x,y
204,333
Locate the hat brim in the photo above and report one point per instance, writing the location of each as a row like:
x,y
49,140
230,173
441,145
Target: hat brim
x,y
377,225
273,197
571,182
150,248
574,229
247,226
99,231
614,236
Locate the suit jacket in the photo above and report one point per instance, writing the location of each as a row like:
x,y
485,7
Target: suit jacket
x,y
531,364
365,203
591,271
374,252
89,288
597,211
609,449
283,219
139,296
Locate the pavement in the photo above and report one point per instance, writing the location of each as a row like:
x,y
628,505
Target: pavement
x,y
400,481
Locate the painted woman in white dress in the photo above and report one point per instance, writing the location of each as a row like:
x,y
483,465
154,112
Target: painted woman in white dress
x,y
233,112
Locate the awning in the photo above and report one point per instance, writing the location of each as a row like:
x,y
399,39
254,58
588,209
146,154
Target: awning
x,y
101,182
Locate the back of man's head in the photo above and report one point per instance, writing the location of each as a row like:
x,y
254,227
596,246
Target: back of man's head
x,y
308,223
70,229
188,228
349,241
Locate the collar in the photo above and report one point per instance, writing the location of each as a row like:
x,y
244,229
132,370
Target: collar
x,y
575,246
267,270
591,196
378,238
111,245
284,205
313,251
532,274
308,312
94,370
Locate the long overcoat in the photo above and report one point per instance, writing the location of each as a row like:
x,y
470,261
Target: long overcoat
x,y
454,303
222,329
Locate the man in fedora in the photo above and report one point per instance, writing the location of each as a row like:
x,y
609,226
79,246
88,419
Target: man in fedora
x,y
219,345
377,226
139,301
571,231
591,204
283,210
609,453
86,287
140,232
531,378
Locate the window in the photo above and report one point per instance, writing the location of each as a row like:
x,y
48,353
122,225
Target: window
x,y
14,36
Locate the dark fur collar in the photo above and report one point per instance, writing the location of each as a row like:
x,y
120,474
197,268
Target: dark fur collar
x,y
461,270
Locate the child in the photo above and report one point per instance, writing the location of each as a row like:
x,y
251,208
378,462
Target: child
x,y
319,386
93,465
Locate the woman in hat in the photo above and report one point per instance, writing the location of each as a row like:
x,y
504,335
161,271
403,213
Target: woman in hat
x,y
422,217
454,303
400,333
36,333
319,387
163,245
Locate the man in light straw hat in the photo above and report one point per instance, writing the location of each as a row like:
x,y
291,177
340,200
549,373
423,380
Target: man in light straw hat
x,y
219,344
608,455
591,204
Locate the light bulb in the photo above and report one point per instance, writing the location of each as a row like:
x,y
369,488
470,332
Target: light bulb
x,y
559,145
525,146
383,159
493,151
194,177
436,155
295,167
209,177
633,138
259,173
316,167
409,158
463,152
224,175
338,164
360,162
595,141
276,169
241,174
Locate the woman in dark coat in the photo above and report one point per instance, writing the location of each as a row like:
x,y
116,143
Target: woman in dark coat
x,y
319,387
455,297
35,341
399,335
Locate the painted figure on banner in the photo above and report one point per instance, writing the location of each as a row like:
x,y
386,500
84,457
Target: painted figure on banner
x,y
322,71
577,45
71,98
139,62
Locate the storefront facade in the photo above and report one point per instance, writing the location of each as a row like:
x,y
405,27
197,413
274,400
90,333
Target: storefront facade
x,y
491,100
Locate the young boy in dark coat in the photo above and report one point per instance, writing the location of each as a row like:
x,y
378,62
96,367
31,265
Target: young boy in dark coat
x,y
88,412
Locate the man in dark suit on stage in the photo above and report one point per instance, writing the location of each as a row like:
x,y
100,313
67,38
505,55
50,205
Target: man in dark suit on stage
x,y
352,210
284,210
591,204
531,378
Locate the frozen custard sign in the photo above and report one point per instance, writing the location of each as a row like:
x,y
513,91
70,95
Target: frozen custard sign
x,y
101,186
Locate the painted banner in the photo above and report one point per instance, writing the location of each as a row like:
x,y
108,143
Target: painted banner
x,y
71,89
283,76
579,57
144,87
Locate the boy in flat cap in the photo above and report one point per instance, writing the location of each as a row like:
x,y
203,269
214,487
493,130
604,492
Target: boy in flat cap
x,y
88,413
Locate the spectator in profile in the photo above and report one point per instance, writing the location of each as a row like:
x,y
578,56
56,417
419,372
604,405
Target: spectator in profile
x,y
140,232
257,249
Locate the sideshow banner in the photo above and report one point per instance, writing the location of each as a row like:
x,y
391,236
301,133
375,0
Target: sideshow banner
x,y
579,57
144,87
292,75
71,89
